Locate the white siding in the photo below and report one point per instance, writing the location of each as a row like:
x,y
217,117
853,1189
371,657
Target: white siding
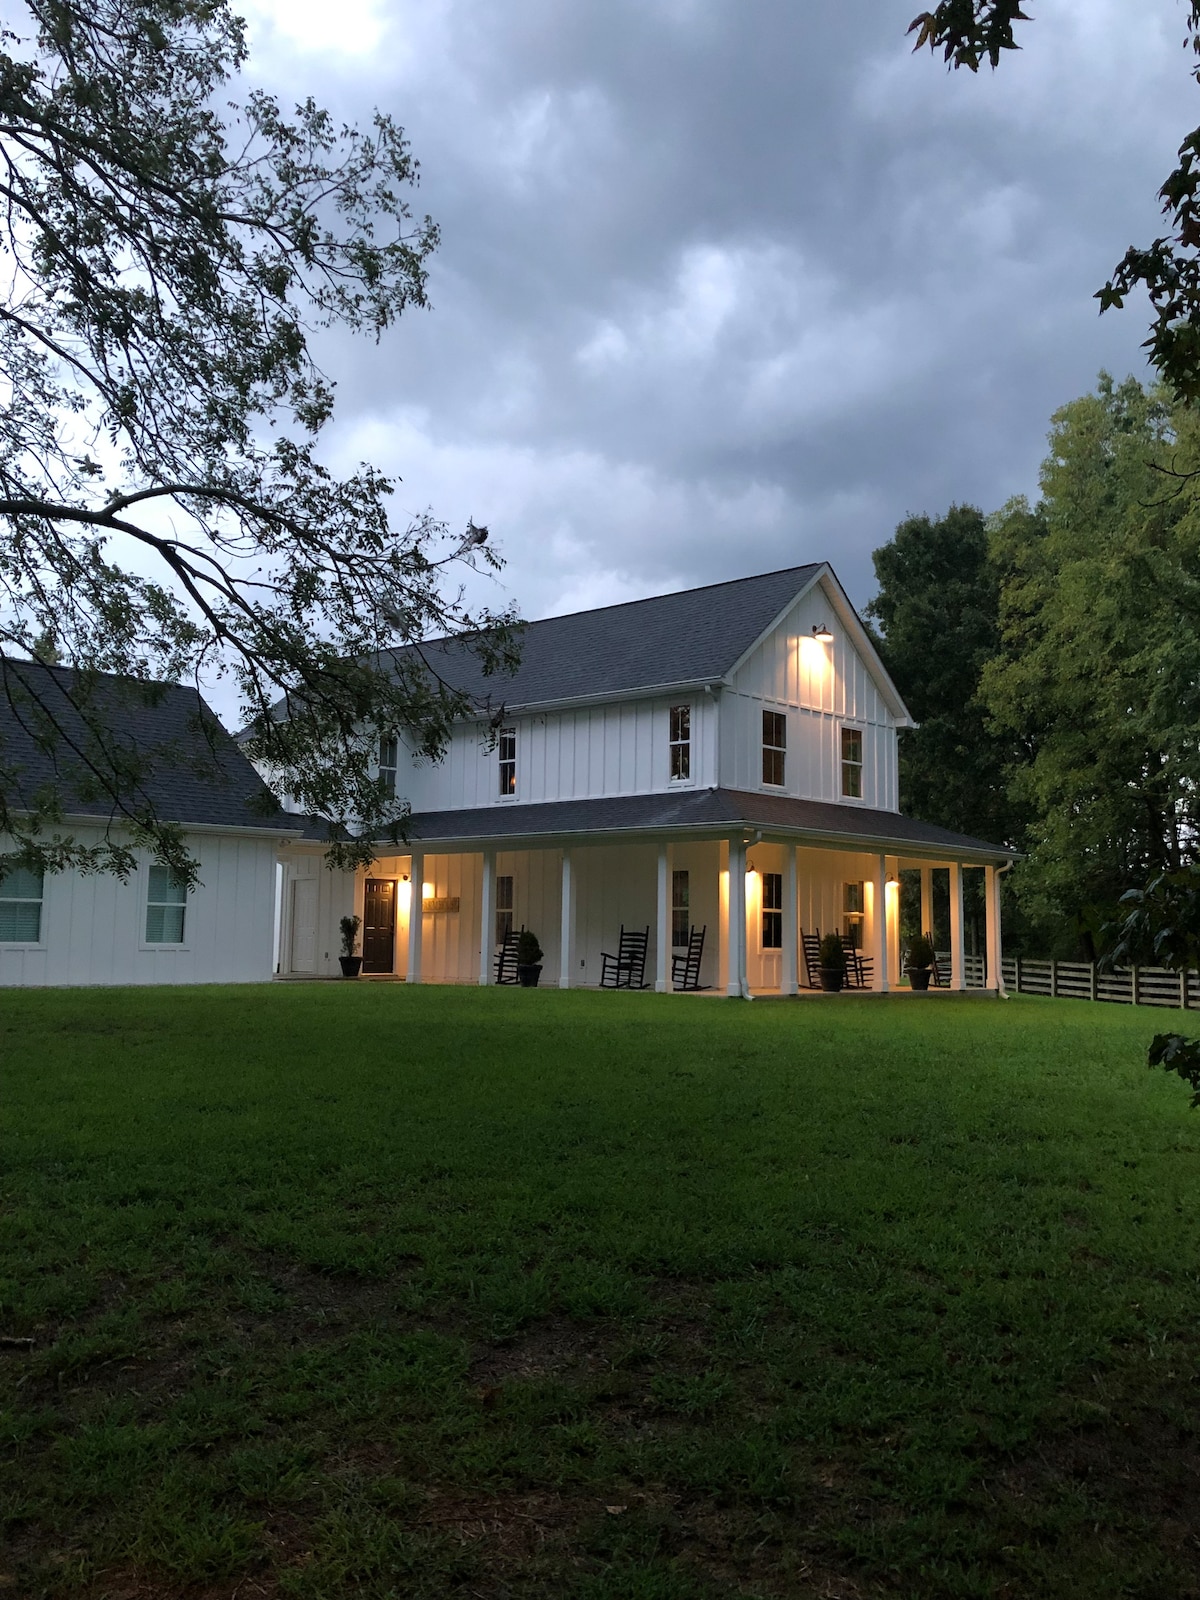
x,y
93,925
820,688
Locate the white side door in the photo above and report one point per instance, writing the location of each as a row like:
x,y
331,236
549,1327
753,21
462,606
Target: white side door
x,y
304,925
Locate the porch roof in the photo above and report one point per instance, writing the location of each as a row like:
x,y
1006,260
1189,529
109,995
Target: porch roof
x,y
699,812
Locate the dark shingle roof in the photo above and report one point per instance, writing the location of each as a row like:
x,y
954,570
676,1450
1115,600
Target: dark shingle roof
x,y
712,810
689,637
183,766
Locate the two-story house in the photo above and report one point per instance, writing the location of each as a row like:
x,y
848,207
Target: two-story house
x,y
724,758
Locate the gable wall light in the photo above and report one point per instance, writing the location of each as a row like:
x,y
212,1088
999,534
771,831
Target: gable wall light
x,y
822,634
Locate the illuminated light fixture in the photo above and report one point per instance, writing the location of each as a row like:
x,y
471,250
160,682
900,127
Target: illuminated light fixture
x,y
822,634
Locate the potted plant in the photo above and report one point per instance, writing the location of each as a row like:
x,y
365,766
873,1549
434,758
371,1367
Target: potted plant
x,y
529,955
350,963
920,960
832,963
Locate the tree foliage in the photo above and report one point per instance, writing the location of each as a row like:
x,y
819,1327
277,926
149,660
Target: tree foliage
x,y
1095,680
938,611
968,32
164,510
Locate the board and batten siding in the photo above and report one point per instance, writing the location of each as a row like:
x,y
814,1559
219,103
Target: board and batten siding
x,y
820,689
94,925
584,753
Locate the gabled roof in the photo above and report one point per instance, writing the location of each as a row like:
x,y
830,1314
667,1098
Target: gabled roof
x,y
694,636
162,747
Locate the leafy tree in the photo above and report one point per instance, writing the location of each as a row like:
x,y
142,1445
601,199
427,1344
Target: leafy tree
x,y
967,32
1096,677
938,611
164,512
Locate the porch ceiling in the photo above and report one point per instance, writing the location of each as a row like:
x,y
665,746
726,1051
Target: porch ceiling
x,y
697,813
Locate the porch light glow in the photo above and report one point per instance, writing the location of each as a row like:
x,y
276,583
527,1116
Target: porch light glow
x,y
404,894
822,634
428,890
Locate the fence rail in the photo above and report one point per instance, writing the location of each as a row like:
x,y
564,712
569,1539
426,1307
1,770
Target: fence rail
x,y
1083,980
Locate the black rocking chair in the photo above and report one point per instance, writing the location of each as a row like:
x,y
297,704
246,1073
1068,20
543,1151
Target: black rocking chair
x,y
627,969
685,968
811,945
859,969
506,958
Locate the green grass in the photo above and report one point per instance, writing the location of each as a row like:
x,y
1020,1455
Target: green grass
x,y
354,1290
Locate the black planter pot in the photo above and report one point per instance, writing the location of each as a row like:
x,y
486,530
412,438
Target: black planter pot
x,y
528,977
918,977
351,966
832,978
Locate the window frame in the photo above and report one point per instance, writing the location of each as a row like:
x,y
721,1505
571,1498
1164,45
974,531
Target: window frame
x,y
771,749
389,744
507,736
771,922
848,764
679,744
681,905
146,943
40,901
854,918
498,910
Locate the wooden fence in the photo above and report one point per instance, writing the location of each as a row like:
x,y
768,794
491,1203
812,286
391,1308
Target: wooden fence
x,y
1083,980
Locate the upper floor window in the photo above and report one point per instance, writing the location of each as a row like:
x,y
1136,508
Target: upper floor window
x,y
166,907
387,762
680,909
852,763
681,744
508,761
774,747
21,907
504,907
772,910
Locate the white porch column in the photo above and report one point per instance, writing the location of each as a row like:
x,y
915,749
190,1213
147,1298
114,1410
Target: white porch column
x,y
958,951
487,917
416,914
995,949
927,901
737,984
662,944
791,944
566,938
881,984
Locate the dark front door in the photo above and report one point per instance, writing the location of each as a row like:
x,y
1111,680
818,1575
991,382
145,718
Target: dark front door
x,y
379,925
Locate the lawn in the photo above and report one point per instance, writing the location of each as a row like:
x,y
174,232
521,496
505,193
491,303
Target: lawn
x,y
360,1290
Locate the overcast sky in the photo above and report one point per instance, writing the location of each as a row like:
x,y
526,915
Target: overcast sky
x,y
729,285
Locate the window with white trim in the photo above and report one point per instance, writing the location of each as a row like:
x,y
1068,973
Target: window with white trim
x,y
21,893
681,745
508,760
772,910
388,748
852,763
774,725
854,914
681,910
504,908
166,906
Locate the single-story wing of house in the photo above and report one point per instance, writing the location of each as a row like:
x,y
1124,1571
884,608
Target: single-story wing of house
x,y
166,752
711,775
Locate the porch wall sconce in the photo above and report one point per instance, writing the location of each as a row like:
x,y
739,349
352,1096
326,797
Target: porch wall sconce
x,y
822,634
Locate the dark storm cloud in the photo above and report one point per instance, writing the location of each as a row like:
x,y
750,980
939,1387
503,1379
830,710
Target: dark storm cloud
x,y
727,286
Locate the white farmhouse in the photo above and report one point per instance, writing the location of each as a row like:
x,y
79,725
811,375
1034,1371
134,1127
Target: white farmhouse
x,y
165,751
722,759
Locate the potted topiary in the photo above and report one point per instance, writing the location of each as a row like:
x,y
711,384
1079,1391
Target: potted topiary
x,y
832,963
920,960
350,963
529,955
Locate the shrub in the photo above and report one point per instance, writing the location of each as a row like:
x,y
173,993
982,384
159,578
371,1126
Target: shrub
x,y
350,927
920,953
529,951
831,953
